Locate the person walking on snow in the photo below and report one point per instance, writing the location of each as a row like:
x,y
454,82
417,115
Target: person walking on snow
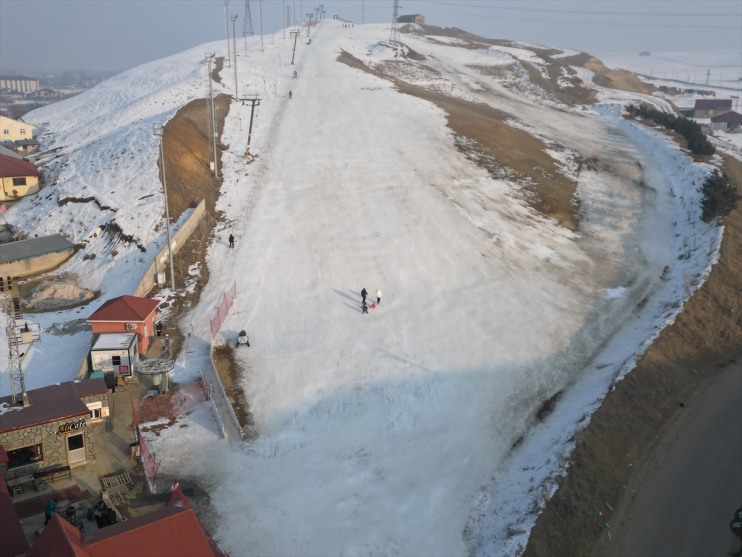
x,y
231,241
290,94
363,295
364,307
378,296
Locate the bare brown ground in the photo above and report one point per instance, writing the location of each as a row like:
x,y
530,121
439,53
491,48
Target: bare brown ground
x,y
231,375
510,151
621,434
189,179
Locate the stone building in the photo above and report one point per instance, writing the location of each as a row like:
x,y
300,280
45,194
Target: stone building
x,y
55,428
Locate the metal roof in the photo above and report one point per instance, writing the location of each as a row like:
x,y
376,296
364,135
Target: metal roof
x,y
49,404
11,167
166,531
125,309
713,103
114,341
11,530
728,117
33,247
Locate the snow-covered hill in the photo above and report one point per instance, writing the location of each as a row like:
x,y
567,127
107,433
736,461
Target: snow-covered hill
x,y
414,430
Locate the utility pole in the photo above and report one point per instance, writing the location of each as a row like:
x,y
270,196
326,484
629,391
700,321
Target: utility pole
x,y
226,25
310,15
234,44
212,118
260,6
294,34
159,130
247,22
254,101
283,11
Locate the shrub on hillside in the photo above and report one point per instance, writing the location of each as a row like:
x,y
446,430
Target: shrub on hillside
x,y
697,141
719,196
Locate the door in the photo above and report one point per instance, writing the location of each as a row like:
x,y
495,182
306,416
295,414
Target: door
x,y
76,448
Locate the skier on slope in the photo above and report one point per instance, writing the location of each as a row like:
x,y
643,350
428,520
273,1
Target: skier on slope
x,y
378,295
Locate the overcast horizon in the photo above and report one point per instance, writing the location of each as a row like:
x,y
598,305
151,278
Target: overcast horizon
x,y
115,35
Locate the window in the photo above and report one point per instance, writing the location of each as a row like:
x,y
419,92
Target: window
x,y
75,442
96,410
19,181
6,132
25,455
116,360
22,131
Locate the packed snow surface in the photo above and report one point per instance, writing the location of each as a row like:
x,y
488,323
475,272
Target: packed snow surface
x,y
394,432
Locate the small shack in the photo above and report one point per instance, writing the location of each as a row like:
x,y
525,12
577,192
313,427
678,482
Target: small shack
x,y
728,122
127,314
114,354
419,19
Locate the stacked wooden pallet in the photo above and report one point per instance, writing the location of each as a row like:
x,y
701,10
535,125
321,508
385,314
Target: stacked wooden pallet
x,y
116,487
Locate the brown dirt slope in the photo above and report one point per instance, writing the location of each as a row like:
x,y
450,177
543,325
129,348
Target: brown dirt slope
x,y
503,149
189,179
622,432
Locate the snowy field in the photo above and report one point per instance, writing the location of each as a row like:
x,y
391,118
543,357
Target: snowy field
x,y
393,432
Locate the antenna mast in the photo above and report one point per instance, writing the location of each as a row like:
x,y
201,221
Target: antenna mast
x,y
17,336
394,33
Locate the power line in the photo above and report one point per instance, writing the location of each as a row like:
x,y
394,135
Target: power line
x,y
499,8
587,22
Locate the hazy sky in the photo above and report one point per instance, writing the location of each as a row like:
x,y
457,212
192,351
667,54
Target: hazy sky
x,y
47,35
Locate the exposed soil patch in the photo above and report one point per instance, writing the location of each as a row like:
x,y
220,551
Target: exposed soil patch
x,y
188,154
622,432
230,375
513,153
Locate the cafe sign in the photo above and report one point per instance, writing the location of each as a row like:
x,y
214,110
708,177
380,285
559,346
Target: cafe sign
x,y
67,429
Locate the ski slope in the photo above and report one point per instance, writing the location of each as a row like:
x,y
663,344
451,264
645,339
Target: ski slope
x,y
393,432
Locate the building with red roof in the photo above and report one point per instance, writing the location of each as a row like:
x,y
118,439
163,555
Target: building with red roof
x,y
170,531
18,178
127,314
729,121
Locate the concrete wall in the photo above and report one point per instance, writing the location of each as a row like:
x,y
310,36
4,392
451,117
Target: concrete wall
x,y
161,263
35,265
229,422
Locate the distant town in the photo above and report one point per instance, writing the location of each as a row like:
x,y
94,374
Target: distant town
x,y
22,93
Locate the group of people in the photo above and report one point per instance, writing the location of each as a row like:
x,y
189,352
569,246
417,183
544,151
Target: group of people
x,y
364,293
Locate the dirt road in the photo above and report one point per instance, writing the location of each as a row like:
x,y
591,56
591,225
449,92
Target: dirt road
x,y
685,494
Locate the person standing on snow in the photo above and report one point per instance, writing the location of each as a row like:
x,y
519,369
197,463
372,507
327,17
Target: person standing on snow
x,y
290,94
49,510
231,241
378,295
363,295
364,307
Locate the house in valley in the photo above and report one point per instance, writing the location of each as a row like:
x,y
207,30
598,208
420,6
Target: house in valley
x,y
18,178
